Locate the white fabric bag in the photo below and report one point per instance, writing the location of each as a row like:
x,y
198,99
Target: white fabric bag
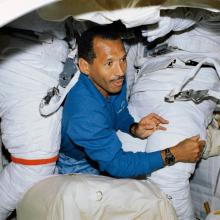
x,y
88,197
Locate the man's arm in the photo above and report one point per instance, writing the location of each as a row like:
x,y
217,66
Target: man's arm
x,y
102,145
128,164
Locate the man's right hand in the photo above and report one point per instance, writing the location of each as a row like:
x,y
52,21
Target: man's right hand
x,y
188,150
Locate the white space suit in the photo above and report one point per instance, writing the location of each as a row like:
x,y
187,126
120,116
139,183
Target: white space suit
x,y
160,74
28,68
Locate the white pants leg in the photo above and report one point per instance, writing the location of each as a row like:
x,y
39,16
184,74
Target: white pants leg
x,y
174,181
15,180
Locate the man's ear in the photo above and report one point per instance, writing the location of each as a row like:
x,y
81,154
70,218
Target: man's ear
x,y
84,66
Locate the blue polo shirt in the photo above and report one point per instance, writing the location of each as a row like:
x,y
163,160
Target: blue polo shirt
x,y
89,126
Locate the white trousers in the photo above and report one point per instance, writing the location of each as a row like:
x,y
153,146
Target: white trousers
x,y
15,180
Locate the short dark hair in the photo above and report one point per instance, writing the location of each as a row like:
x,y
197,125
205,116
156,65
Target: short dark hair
x,y
85,44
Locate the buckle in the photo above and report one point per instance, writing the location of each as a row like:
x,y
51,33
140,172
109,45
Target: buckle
x,y
50,94
188,95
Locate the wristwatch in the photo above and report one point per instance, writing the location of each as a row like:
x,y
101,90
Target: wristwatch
x,y
169,157
132,127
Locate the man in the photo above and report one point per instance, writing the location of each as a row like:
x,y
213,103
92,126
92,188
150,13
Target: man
x,y
96,108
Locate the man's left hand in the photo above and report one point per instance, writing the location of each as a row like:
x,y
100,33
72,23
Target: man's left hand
x,y
148,124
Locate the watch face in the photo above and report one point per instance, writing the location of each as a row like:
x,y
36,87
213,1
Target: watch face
x,y
172,160
169,159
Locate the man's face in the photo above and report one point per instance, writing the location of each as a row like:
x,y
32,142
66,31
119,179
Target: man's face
x,y
107,71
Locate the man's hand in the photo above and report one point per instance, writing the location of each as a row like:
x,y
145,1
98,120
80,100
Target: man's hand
x,y
189,150
147,125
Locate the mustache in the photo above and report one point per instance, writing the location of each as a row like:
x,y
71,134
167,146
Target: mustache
x,y
118,78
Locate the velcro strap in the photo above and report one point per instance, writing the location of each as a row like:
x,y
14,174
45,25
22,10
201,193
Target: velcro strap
x,y
35,161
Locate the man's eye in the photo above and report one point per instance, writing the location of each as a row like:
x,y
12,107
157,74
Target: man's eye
x,y
124,59
109,63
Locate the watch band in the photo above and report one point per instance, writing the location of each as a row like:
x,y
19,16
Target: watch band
x,y
131,128
169,157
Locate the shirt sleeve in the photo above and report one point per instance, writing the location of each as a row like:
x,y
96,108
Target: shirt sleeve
x,y
129,164
101,143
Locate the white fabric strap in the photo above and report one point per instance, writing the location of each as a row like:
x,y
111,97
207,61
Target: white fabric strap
x,y
214,94
56,101
180,87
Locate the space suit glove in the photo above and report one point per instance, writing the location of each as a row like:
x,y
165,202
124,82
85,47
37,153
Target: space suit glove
x,y
212,147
